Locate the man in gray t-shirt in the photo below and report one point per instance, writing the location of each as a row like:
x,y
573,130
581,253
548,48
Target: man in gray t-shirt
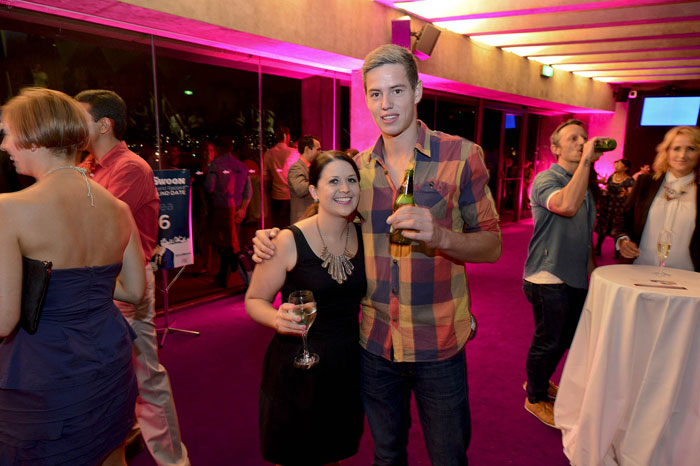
x,y
559,259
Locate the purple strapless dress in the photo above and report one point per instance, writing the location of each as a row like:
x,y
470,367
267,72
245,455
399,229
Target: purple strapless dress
x,y
67,393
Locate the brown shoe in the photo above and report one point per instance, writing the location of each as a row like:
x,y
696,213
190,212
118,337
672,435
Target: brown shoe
x,y
542,410
551,391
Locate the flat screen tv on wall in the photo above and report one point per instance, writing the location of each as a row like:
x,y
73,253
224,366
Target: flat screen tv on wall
x,y
670,111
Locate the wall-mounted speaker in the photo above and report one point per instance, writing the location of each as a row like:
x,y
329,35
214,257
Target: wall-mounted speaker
x,y
425,43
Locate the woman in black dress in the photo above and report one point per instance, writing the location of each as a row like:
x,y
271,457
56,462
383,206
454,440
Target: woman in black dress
x,y
611,205
314,416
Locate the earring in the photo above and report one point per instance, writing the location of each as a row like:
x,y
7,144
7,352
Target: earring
x,y
316,201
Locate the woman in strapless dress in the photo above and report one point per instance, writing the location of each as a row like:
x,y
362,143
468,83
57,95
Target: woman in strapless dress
x,y
67,392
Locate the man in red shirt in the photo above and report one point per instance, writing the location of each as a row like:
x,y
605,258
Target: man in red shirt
x,y
129,178
277,160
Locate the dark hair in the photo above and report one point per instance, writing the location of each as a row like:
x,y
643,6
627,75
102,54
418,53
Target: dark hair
x,y
390,54
324,158
224,144
106,104
626,163
316,169
304,142
281,134
47,118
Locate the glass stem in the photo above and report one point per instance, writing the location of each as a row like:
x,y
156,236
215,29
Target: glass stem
x,y
306,348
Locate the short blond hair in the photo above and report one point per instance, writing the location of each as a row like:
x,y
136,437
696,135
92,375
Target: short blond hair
x,y
47,118
555,137
660,165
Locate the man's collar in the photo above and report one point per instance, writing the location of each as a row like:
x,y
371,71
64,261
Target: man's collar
x,y
558,168
111,156
422,143
424,135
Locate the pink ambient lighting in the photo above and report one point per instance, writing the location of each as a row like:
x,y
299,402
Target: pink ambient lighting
x,y
276,57
123,16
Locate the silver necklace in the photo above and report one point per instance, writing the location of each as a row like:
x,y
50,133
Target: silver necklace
x,y
80,170
339,267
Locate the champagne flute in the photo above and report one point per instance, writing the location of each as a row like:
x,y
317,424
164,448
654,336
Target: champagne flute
x,y
663,246
304,307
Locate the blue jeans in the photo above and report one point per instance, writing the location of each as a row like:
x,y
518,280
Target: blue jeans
x,y
441,392
557,309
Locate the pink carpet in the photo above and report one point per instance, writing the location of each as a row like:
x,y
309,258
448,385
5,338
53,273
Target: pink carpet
x,y
215,376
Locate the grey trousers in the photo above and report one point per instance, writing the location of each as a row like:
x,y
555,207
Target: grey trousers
x,y
155,408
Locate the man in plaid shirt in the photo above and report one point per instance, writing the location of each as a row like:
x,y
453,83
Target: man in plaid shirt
x,y
415,314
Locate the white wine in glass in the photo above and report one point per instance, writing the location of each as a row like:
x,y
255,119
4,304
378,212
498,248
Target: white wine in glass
x,y
663,247
304,307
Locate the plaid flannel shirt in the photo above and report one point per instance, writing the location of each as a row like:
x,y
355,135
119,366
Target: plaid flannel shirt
x,y
417,303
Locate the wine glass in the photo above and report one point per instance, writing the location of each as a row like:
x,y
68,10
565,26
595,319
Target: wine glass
x,y
663,246
304,307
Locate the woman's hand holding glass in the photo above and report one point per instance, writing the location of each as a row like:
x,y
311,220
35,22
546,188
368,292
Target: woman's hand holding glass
x,y
287,322
304,307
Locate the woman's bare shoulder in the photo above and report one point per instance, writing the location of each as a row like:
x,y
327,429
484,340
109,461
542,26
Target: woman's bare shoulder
x,y
104,200
306,225
20,204
285,251
120,205
284,240
104,195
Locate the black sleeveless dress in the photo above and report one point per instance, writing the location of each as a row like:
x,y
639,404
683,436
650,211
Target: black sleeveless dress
x,y
314,416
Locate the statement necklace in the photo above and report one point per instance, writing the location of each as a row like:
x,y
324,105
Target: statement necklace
x,y
619,179
339,267
80,170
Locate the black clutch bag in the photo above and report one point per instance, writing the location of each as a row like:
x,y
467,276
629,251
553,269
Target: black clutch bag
x,y
35,282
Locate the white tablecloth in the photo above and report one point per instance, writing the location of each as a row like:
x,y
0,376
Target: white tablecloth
x,y
630,390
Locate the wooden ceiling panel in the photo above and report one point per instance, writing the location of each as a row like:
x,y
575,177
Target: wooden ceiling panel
x,y
575,20
609,47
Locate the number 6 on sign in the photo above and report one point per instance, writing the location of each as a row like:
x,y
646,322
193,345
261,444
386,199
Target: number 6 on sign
x,y
164,222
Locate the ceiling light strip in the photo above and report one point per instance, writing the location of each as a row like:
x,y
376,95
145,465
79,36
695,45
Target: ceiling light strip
x,y
410,6
460,29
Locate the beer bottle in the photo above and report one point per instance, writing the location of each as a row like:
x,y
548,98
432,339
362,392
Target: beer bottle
x,y
404,197
605,144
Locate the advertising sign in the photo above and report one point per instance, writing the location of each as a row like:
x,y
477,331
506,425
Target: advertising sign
x,y
174,222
